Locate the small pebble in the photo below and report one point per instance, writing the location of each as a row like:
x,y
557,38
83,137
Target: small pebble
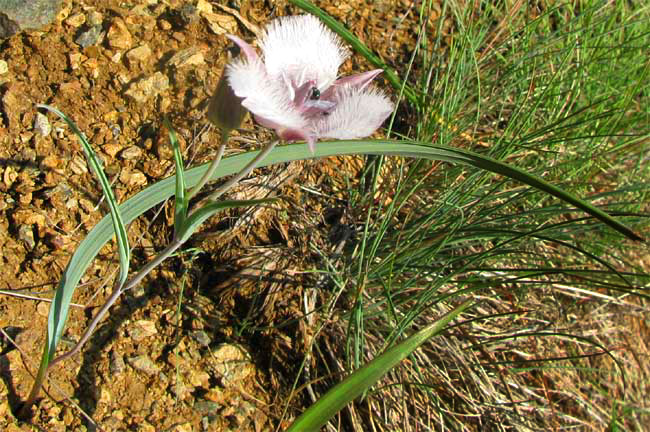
x,y
43,309
42,125
164,25
115,130
76,20
188,57
131,152
4,68
146,88
139,54
144,364
142,329
95,18
26,234
201,337
90,37
117,363
133,177
118,35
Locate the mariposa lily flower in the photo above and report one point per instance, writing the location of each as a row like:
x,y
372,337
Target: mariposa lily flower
x,y
294,86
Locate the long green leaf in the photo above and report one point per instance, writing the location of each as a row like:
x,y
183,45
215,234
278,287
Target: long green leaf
x,y
180,199
61,302
363,378
158,192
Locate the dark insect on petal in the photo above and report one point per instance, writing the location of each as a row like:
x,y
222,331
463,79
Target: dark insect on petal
x,y
315,94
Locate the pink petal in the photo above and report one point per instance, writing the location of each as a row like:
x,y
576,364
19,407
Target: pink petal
x,y
248,50
304,48
359,81
358,114
283,132
303,92
262,96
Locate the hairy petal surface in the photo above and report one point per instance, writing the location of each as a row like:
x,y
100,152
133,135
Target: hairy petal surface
x,y
302,48
267,99
358,113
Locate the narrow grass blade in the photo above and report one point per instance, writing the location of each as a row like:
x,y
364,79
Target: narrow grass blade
x,y
202,214
363,378
358,46
180,200
61,302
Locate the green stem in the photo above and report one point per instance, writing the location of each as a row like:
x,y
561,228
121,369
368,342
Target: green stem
x,y
36,387
46,364
213,166
244,172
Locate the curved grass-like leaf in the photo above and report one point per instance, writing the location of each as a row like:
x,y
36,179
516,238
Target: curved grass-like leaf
x,y
180,199
363,378
61,302
159,192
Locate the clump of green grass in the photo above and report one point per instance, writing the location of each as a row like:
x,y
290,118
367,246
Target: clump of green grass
x,y
559,90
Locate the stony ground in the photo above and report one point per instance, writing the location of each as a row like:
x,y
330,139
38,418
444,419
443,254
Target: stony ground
x,y
115,67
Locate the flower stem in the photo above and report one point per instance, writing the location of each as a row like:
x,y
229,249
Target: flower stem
x,y
244,172
45,366
213,166
144,271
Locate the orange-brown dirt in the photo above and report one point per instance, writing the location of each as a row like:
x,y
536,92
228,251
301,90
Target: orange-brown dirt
x,y
148,367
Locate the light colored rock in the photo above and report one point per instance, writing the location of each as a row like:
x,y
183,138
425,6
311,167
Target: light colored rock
x,y
164,25
232,364
43,309
220,24
26,234
117,363
95,18
76,20
131,152
118,35
203,6
146,88
78,165
90,37
144,364
42,124
4,68
142,329
75,60
187,57
133,177
139,54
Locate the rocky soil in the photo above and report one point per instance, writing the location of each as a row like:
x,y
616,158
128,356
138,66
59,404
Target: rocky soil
x,y
197,347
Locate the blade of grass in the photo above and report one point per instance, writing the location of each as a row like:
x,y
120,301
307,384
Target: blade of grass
x,y
180,200
363,378
60,306
162,190
61,302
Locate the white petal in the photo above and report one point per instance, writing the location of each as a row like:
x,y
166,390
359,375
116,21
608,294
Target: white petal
x,y
266,98
359,113
302,48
